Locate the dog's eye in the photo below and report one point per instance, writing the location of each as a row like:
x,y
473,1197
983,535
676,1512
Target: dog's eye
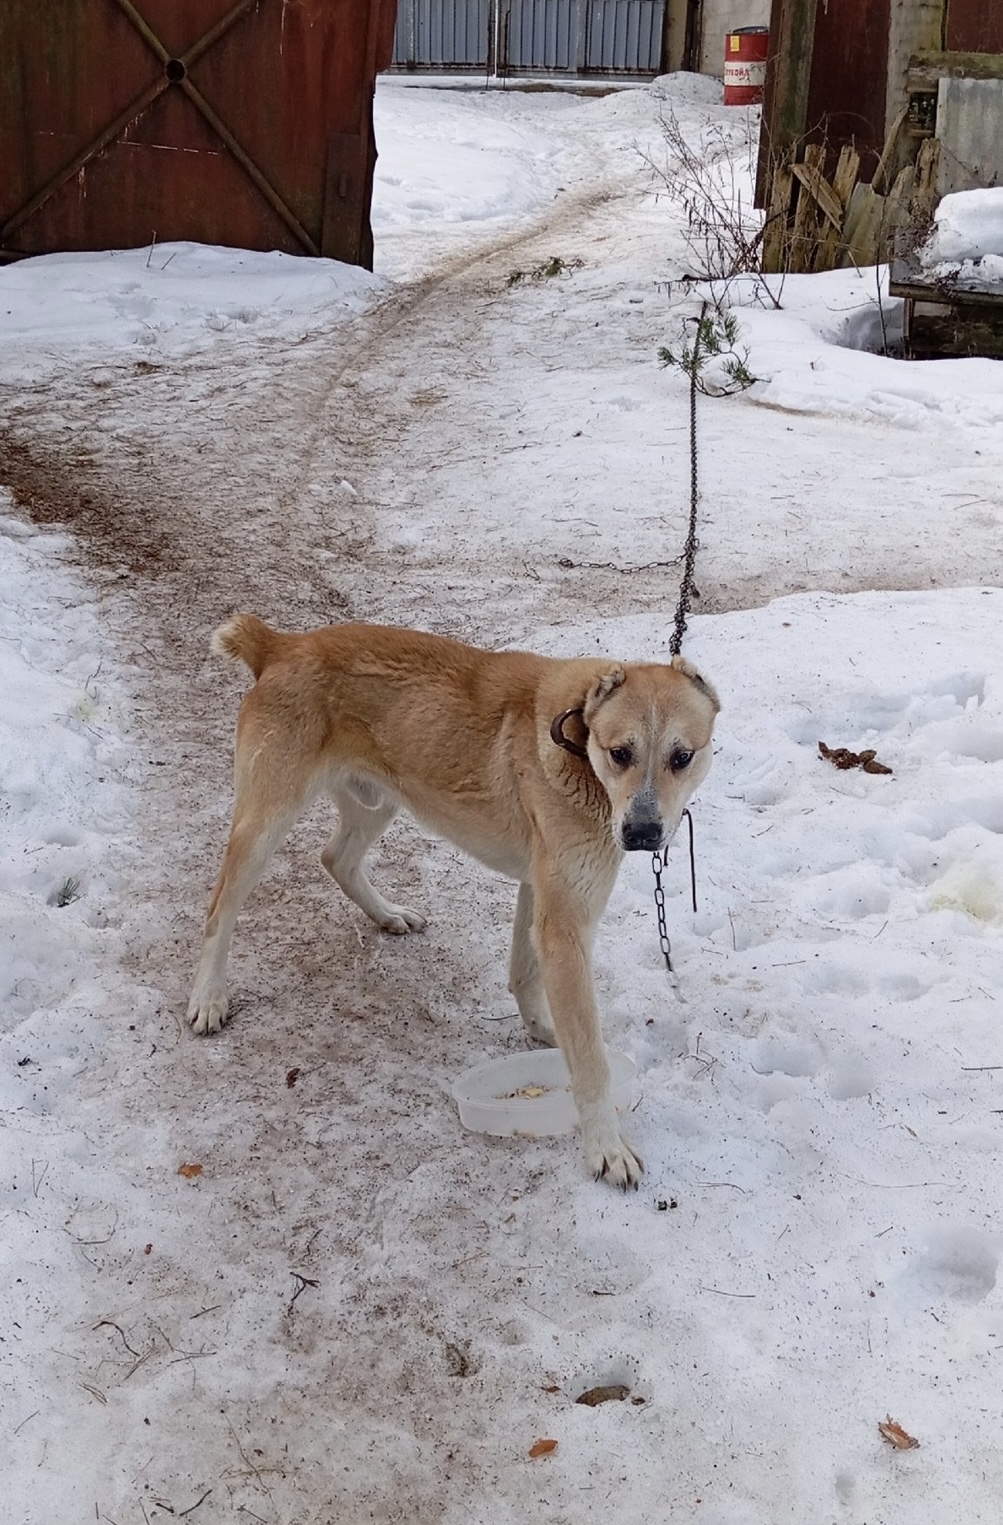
x,y
680,759
622,756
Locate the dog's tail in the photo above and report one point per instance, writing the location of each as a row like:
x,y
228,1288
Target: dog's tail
x,y
246,637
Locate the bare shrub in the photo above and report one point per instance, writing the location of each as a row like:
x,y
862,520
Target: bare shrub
x,y
706,177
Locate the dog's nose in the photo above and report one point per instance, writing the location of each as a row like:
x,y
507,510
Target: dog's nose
x,y
642,836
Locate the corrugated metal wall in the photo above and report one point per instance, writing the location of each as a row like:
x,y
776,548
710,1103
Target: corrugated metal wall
x,y
531,36
442,34
624,36
541,34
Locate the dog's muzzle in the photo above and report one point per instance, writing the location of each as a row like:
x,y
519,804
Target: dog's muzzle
x,y
642,836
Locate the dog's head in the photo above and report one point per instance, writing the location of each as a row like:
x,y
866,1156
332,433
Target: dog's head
x,y
649,743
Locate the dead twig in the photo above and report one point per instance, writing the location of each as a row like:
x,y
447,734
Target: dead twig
x,y
107,1323
304,1282
247,1460
192,1507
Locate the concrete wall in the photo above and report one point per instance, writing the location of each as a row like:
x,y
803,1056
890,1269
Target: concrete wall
x,y
914,27
719,17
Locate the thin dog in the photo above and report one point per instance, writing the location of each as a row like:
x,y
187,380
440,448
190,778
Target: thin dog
x,y
545,770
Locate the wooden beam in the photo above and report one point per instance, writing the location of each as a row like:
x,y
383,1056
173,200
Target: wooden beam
x,y
925,69
806,231
788,76
815,182
776,234
843,181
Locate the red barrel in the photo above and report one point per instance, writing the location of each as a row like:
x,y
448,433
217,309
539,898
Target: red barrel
x,y
745,65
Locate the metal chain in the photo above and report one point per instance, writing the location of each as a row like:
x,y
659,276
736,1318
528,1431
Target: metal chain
x,y
663,931
657,864
686,591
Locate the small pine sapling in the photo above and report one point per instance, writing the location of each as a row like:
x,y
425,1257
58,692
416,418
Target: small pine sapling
x,y
715,339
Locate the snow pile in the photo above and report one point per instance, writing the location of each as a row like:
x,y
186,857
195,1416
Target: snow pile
x,y
169,299
448,159
968,225
814,354
966,243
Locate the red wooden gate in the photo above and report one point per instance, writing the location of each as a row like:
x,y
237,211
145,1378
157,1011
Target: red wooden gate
x,y
239,122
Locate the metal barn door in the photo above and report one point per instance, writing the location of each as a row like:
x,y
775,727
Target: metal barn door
x,y
240,122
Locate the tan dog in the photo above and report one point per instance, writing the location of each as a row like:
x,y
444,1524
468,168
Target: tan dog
x,y
476,745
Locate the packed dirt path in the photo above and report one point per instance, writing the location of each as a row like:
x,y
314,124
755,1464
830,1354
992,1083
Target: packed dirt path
x,y
372,471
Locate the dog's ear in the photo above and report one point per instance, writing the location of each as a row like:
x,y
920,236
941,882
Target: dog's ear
x,y
689,671
601,689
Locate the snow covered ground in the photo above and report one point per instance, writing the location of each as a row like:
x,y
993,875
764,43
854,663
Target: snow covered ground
x,y
269,1277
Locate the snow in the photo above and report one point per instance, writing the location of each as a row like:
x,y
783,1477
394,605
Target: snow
x,y
967,225
815,355
168,299
356,1310
966,242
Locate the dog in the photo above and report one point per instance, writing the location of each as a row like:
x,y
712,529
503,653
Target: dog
x,y
545,770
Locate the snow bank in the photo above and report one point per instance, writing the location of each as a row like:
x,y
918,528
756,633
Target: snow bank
x,y
174,298
968,226
814,354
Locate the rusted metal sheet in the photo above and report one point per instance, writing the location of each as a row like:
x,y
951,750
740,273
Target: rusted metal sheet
x,y
238,122
849,79
974,26
826,81
785,94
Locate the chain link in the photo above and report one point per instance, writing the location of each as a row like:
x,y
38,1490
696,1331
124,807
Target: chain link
x,y
686,592
657,865
663,931
686,589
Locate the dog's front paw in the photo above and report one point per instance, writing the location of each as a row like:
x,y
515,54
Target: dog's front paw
x,y
400,919
609,1156
540,1029
620,1165
207,1009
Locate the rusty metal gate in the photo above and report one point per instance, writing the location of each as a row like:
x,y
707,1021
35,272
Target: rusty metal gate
x,y
238,122
531,36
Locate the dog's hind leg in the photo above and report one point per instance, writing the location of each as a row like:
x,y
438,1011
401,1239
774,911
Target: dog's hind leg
x,y
254,836
524,978
360,824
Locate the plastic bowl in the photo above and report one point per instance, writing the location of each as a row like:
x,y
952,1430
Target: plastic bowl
x,y
530,1093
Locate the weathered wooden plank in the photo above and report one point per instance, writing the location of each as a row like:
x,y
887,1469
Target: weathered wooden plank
x,y
776,236
925,69
909,279
788,76
816,185
895,213
843,181
805,233
863,226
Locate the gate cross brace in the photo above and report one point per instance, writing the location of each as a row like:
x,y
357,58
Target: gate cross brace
x,y
175,73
